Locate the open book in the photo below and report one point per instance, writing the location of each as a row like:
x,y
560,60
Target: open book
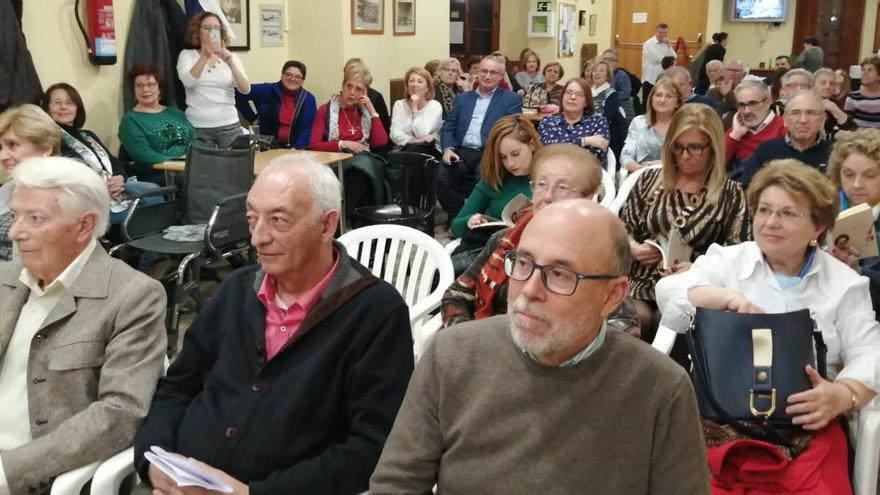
x,y
509,215
674,249
854,230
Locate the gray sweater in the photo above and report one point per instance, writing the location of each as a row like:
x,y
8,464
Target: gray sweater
x,y
481,417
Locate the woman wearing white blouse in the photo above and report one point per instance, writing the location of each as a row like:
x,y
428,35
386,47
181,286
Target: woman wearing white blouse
x,y
210,73
416,120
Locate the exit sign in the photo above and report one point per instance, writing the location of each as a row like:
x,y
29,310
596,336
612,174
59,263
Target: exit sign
x,y
545,6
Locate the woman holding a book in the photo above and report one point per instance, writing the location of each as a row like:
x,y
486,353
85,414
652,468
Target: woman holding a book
x,y
689,200
793,207
854,167
504,174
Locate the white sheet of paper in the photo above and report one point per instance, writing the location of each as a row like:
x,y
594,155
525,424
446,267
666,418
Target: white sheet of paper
x,y
640,17
183,472
456,33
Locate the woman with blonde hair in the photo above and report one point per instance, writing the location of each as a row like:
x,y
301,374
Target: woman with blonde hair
x,y
210,73
854,167
530,70
416,119
644,140
349,123
689,198
375,97
26,131
504,172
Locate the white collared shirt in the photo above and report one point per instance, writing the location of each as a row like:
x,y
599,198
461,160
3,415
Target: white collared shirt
x,y
14,415
837,297
652,54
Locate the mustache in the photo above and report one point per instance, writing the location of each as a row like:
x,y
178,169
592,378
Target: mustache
x,y
521,304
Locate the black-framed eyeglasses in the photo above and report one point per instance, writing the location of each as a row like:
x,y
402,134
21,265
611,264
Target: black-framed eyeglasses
x,y
749,104
693,149
557,279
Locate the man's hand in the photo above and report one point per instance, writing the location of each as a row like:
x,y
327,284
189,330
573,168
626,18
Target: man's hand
x,y
724,86
450,157
739,129
163,485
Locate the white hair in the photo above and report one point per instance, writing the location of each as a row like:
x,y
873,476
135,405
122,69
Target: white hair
x,y
323,186
82,189
714,63
494,59
797,72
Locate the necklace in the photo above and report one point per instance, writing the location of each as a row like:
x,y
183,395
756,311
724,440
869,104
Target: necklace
x,y
345,114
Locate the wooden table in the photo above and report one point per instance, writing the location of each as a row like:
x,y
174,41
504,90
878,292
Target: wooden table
x,y
262,160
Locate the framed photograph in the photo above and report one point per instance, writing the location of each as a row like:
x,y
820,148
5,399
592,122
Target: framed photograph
x,y
237,12
367,16
540,25
271,25
404,17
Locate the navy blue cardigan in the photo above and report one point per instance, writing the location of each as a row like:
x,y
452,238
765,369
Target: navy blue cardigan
x,y
266,97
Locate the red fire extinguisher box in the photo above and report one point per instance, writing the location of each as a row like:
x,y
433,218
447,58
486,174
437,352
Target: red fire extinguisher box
x,y
101,32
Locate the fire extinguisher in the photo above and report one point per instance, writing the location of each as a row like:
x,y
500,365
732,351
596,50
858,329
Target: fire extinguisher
x,y
101,35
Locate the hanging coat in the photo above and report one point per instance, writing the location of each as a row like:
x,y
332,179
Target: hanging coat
x,y
19,82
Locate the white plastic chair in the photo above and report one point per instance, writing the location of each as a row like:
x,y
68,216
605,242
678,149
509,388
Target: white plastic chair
x,y
407,259
626,186
451,245
664,339
606,192
611,165
72,482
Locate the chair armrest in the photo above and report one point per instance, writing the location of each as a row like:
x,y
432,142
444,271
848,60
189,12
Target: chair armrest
x,y
867,450
664,339
112,472
159,191
71,482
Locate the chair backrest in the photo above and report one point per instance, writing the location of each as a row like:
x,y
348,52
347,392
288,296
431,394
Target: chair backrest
x,y
144,219
228,228
605,194
626,187
212,174
417,189
413,262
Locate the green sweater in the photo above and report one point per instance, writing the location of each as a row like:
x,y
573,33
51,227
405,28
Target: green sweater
x,y
488,201
150,138
480,416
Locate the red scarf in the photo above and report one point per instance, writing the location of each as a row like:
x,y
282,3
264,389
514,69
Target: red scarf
x,y
492,274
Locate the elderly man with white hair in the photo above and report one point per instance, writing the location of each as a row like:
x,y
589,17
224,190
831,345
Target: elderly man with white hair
x,y
734,72
290,378
82,339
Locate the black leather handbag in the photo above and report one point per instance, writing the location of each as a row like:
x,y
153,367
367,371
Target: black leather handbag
x,y
746,365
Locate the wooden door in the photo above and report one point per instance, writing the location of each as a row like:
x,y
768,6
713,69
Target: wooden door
x,y
837,24
686,18
481,26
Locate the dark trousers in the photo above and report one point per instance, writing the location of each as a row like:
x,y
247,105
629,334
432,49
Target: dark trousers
x,y
646,90
456,181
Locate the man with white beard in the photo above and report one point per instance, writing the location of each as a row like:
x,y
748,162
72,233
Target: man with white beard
x,y
545,399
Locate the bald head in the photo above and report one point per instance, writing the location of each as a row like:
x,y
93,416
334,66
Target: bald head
x,y
309,176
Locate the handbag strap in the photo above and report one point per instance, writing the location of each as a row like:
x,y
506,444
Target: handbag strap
x,y
821,351
761,431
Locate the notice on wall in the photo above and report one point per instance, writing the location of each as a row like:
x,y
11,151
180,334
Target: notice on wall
x,y
456,33
640,17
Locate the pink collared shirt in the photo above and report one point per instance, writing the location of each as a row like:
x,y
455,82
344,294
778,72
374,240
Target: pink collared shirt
x,y
283,323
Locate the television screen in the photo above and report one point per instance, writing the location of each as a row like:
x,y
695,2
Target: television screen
x,y
757,10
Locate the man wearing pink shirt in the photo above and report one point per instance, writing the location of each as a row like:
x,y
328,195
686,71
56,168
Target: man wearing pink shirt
x,y
290,378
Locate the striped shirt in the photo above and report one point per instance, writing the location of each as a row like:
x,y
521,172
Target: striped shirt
x,y
865,110
651,211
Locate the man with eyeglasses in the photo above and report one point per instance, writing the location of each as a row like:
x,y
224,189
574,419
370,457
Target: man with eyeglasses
x,y
722,93
546,399
682,79
466,129
752,124
804,139
791,82
559,171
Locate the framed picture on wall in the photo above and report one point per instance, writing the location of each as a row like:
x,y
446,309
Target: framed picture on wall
x,y
404,17
540,25
271,25
367,17
237,12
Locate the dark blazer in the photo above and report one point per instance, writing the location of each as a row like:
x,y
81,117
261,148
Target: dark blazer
x,y
267,99
92,368
456,124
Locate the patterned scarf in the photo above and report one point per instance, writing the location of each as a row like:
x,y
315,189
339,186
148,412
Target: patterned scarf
x,y
492,274
333,116
93,154
447,96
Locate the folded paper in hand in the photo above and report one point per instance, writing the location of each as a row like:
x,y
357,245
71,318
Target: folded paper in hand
x,y
183,472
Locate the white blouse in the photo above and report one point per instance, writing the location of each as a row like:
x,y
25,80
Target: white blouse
x,y
210,98
406,125
836,295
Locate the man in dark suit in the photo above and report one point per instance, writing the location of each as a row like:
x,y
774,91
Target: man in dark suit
x,y
465,131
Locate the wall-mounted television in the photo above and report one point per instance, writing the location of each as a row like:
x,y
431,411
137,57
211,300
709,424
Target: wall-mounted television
x,y
758,10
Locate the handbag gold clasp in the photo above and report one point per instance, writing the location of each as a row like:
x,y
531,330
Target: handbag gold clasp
x,y
766,414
